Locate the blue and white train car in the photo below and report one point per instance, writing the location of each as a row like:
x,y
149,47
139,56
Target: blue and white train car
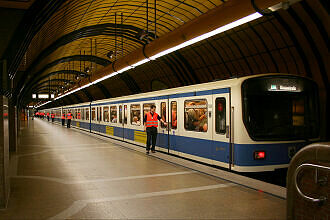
x,y
248,124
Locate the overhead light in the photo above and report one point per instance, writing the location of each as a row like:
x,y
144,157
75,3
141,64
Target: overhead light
x,y
43,96
124,69
140,62
43,104
110,54
82,74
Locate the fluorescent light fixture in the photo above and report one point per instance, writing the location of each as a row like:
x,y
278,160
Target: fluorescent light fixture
x,y
43,104
73,91
105,77
124,69
34,96
219,30
140,62
113,74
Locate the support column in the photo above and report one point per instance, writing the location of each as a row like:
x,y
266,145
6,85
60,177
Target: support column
x,y
4,153
12,127
18,125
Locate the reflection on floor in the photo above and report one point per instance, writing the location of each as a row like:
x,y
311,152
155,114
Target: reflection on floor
x,y
61,173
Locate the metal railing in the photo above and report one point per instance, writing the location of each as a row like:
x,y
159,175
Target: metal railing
x,y
322,199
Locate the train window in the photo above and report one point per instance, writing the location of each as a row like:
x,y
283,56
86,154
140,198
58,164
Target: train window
x,y
106,114
174,115
298,112
79,114
87,114
136,114
113,114
93,114
280,108
163,113
146,108
195,115
220,115
120,114
125,114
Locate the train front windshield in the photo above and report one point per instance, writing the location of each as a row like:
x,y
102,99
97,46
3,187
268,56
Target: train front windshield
x,y
280,108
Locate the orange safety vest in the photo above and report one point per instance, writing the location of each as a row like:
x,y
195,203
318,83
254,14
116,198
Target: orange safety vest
x,y
47,113
69,115
63,116
78,115
152,121
53,115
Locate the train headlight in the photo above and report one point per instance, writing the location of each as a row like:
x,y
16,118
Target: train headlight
x,y
259,155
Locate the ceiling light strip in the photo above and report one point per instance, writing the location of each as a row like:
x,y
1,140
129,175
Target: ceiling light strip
x,y
219,30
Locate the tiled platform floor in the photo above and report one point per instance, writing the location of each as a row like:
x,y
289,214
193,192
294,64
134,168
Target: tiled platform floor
x,y
61,173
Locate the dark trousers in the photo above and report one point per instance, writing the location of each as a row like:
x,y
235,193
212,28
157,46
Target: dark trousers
x,y
63,122
48,118
69,123
52,119
151,137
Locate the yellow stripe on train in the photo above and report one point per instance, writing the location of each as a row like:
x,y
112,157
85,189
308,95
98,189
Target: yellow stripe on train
x,y
140,136
109,130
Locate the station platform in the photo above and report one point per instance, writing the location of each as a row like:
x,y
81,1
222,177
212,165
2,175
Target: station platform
x,y
61,173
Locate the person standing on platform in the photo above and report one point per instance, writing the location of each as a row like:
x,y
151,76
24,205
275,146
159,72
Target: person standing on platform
x,y
63,119
48,116
53,117
69,117
150,122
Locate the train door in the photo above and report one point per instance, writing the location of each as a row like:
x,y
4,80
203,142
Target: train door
x,y
173,130
99,115
125,127
221,129
163,136
121,122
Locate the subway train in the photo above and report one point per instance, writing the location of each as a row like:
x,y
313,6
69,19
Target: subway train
x,y
247,124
